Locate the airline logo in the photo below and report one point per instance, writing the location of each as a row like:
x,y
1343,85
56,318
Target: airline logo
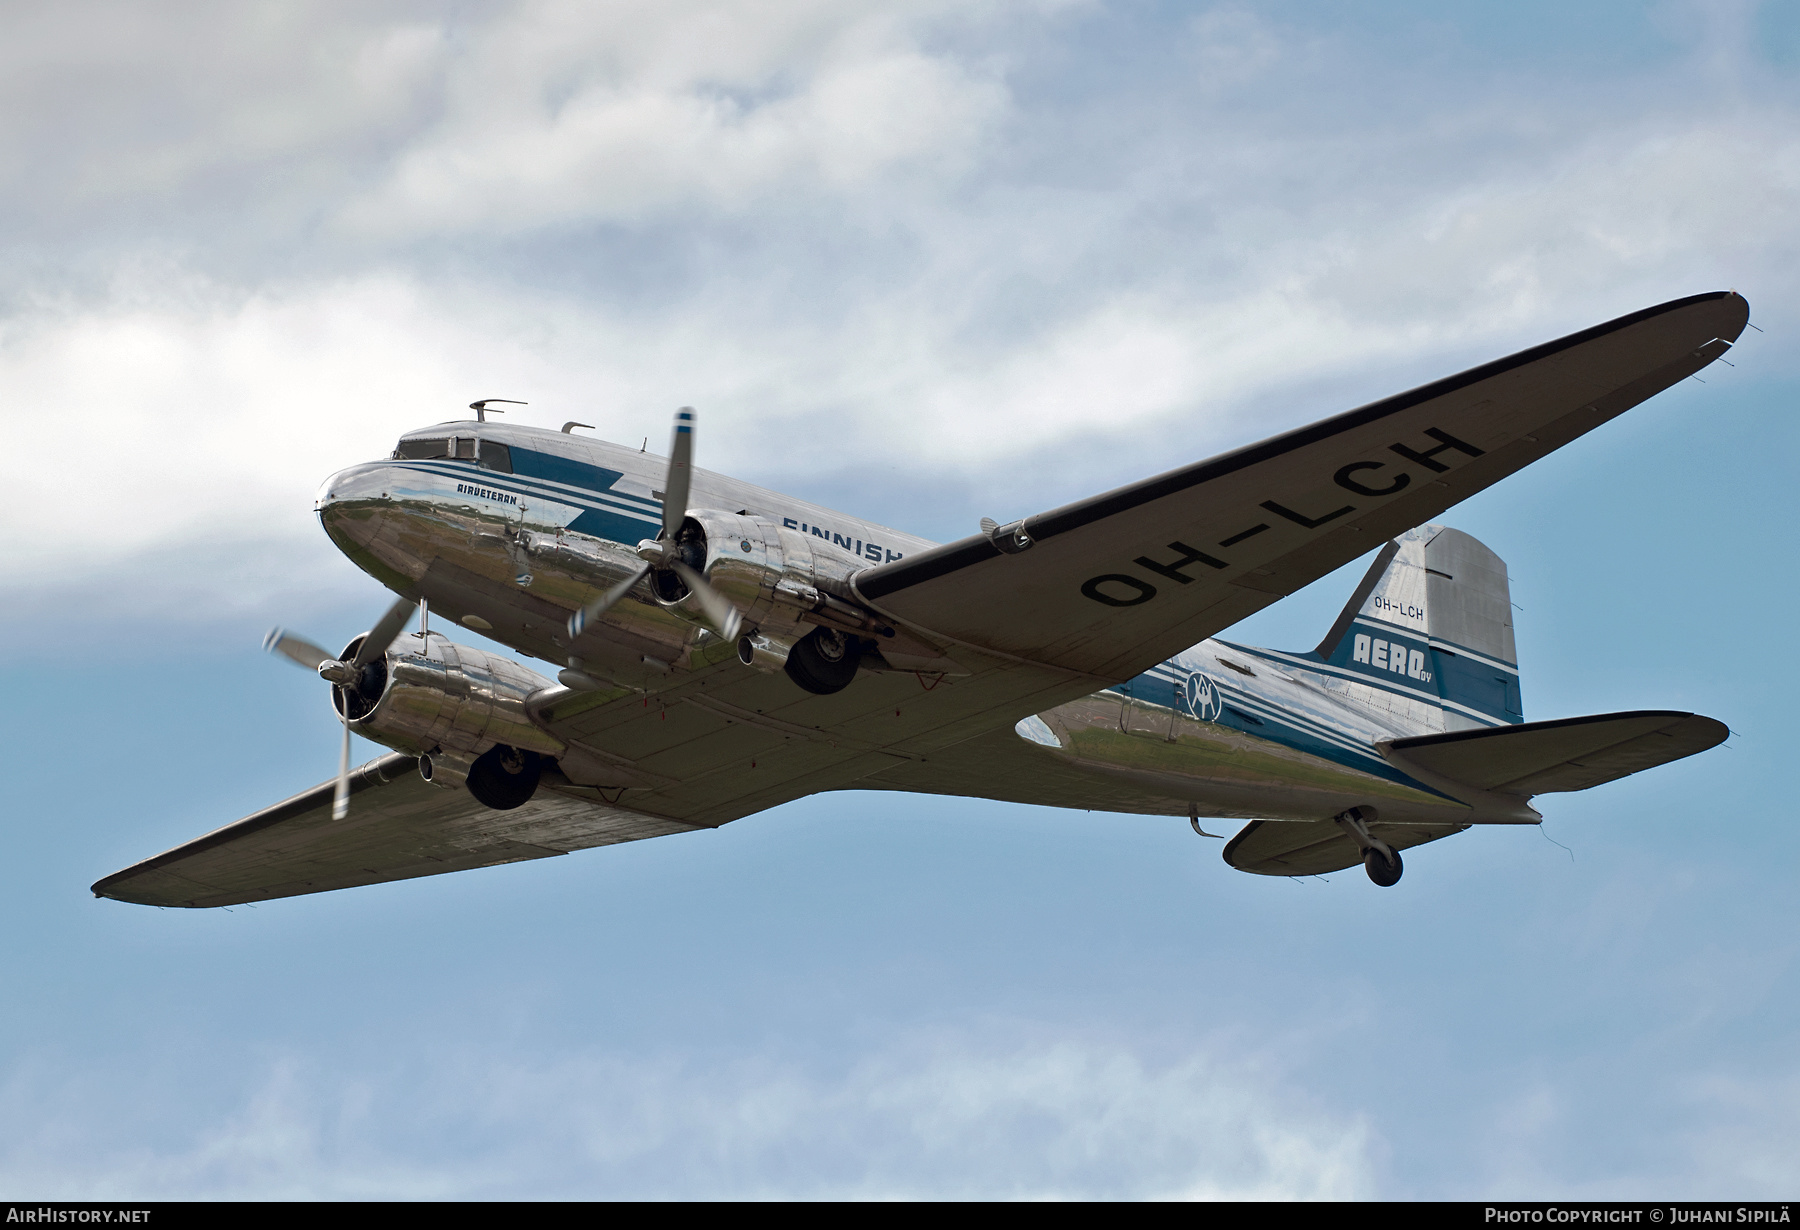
x,y
1390,656
1200,698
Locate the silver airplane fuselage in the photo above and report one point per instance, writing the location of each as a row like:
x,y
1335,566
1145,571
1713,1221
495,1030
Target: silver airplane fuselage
x,y
508,530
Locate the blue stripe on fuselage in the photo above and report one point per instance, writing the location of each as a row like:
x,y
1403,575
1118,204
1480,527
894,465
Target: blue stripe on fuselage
x,y
594,522
528,463
1253,715
1257,717
598,518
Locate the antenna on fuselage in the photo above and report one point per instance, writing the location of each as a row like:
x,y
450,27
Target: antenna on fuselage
x,y
570,426
481,407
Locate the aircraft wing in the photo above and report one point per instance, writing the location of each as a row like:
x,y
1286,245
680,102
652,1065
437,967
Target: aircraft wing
x,y
720,743
723,742
1114,584
399,826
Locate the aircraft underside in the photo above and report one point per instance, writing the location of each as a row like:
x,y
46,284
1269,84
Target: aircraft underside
x,y
719,649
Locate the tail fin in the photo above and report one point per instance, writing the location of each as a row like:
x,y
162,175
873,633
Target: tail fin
x,y
1432,620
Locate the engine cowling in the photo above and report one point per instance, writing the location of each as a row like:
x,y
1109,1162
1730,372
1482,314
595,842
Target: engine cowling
x,y
781,581
435,697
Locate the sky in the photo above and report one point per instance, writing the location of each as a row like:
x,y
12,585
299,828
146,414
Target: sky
x,y
924,262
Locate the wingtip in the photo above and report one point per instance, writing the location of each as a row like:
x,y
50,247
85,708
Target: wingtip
x,y
1738,306
1715,729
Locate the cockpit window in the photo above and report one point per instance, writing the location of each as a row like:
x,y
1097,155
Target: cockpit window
x,y
422,450
493,455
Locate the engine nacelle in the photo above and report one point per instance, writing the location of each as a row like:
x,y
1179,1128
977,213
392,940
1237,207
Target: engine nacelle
x,y
778,578
783,583
439,697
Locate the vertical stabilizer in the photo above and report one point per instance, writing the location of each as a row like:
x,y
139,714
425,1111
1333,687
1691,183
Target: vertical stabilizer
x,y
1432,623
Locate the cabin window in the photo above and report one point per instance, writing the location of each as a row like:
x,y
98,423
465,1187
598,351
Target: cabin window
x,y
495,456
422,450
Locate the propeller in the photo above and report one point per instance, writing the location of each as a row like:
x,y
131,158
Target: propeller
x,y
301,650
663,550
346,675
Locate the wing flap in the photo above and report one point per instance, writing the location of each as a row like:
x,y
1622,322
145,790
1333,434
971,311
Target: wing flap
x,y
724,741
399,827
1289,848
1561,755
1114,584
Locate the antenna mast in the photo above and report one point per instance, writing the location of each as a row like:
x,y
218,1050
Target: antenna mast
x,y
481,407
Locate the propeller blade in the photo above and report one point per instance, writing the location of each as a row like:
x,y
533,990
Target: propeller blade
x,y
297,649
681,466
340,798
721,616
605,602
385,633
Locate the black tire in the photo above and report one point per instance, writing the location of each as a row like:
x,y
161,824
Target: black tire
x,y
1385,873
504,777
824,661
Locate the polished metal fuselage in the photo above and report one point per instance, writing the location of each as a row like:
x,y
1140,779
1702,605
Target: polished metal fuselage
x,y
511,553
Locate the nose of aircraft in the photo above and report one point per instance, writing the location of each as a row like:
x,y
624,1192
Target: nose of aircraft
x,y
357,483
355,504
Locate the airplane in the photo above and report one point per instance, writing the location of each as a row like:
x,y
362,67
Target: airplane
x,y
721,649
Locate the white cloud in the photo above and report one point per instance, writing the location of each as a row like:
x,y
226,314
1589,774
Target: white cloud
x,y
582,115
204,419
941,1118
111,110
500,118
851,235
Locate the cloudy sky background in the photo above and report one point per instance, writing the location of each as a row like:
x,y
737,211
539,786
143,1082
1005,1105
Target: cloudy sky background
x,y
928,262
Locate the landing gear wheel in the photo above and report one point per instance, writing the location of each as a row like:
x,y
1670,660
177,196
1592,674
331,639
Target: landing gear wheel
x,y
824,661
504,777
1383,872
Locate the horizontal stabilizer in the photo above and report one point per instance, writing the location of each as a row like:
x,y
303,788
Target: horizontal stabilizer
x,y
1567,754
1290,848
